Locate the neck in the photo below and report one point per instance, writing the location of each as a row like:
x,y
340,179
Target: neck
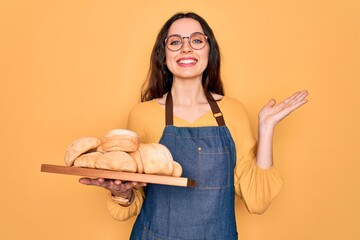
x,y
188,92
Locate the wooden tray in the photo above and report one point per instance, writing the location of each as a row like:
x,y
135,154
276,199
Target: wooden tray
x,y
125,176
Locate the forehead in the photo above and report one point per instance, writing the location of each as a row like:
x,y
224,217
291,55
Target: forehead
x,y
185,27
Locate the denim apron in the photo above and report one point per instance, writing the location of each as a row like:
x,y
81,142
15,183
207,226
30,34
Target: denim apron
x,y
207,155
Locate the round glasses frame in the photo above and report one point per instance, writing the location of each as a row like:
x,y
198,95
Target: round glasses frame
x,y
190,38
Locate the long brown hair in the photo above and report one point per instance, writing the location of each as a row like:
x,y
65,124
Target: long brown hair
x,y
159,78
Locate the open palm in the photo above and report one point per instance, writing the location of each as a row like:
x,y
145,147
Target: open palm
x,y
272,113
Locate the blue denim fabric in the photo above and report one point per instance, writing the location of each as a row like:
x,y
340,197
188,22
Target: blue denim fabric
x,y
207,155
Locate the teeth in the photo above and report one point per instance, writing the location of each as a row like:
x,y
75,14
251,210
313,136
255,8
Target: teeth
x,y
187,61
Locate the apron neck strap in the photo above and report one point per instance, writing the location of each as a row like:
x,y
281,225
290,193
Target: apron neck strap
x,y
212,102
215,109
169,110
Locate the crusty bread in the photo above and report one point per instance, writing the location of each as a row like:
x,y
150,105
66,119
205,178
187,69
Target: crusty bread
x,y
120,140
121,150
156,159
80,146
117,161
87,160
136,156
177,169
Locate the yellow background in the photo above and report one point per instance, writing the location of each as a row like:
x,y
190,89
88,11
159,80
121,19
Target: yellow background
x,y
74,68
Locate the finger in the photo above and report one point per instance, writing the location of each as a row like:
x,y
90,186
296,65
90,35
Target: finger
x,y
118,182
101,180
302,95
140,185
295,98
130,185
300,98
295,106
296,95
89,181
115,185
291,98
85,181
300,103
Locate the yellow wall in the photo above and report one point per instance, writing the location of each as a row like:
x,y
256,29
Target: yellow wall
x,y
74,68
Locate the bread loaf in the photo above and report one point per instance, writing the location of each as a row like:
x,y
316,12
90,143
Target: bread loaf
x,y
177,169
120,140
117,161
80,146
87,160
156,159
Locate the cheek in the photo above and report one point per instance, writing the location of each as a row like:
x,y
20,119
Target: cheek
x,y
205,52
205,57
169,60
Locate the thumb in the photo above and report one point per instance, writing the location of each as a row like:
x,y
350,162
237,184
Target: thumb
x,y
271,103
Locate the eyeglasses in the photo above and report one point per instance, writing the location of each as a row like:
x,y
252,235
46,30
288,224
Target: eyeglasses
x,y
197,41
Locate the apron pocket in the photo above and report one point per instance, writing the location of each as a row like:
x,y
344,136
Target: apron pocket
x,y
214,168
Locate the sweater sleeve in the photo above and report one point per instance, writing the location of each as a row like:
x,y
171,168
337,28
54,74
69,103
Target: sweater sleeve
x,y
122,213
256,186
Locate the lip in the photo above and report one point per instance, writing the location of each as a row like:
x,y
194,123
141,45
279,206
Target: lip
x,y
187,61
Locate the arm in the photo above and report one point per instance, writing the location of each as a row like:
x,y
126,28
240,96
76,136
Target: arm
x,y
270,115
257,181
133,191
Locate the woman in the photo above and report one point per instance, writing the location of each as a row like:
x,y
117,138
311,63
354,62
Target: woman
x,y
184,107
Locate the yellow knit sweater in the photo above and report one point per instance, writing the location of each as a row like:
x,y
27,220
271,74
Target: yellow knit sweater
x,y
256,186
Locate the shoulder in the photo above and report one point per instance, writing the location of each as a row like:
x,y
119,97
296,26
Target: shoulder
x,y
145,111
144,107
232,103
227,101
235,113
147,120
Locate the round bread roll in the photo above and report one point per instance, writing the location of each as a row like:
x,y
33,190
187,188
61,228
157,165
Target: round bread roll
x,y
136,156
120,140
116,160
80,146
177,169
87,160
156,159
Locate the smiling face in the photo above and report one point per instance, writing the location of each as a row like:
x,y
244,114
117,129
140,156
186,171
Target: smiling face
x,y
187,63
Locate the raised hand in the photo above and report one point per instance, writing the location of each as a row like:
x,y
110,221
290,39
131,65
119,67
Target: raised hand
x,y
271,114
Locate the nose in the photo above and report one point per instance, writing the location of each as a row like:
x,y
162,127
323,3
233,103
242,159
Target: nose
x,y
186,45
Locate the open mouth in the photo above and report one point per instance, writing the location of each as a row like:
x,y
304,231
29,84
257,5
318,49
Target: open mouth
x,y
187,61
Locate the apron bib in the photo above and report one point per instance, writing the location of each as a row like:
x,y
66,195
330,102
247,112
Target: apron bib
x,y
207,155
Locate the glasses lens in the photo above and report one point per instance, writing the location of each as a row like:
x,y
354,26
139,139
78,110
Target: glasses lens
x,y
174,43
197,41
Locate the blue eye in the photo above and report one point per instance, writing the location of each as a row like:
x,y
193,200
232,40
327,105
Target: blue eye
x,y
175,42
197,41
